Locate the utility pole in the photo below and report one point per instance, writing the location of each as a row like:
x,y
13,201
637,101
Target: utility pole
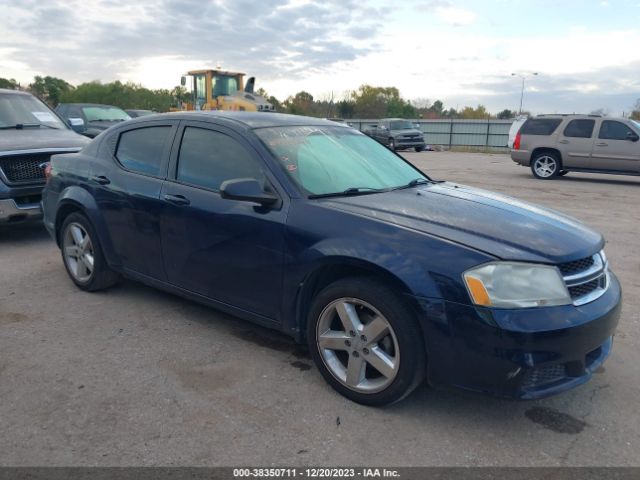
x,y
523,76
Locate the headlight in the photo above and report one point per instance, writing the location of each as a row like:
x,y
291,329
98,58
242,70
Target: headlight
x,y
516,285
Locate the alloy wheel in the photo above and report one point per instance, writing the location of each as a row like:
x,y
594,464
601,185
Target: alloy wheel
x,y
78,252
358,345
545,166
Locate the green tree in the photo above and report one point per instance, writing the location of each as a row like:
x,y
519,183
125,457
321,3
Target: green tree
x,y
50,89
474,113
9,83
506,114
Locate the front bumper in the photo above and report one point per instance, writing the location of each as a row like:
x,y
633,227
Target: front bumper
x,y
12,212
522,354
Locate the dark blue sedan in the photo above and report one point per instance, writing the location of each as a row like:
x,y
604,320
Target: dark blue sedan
x,y
311,228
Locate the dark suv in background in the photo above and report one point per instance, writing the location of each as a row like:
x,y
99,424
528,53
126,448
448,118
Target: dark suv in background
x,y
29,134
397,134
553,145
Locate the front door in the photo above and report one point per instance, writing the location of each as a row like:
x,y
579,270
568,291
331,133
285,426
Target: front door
x,y
227,250
616,148
576,141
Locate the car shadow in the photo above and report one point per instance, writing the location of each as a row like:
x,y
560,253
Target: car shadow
x,y
593,179
24,232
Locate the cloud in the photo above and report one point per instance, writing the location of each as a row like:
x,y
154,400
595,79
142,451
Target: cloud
x,y
81,41
448,13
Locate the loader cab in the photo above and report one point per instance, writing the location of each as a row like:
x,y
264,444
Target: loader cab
x,y
208,85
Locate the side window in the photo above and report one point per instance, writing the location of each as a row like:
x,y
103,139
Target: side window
x,y
207,158
540,126
611,130
141,150
579,128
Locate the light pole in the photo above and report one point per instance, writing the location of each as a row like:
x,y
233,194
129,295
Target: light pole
x,y
523,76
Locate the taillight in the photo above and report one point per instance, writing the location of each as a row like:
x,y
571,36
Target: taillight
x,y
516,142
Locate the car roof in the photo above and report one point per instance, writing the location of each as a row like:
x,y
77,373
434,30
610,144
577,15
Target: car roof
x,y
249,119
578,115
14,92
88,105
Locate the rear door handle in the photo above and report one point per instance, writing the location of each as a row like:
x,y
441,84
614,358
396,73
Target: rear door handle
x,y
602,144
563,141
100,179
177,199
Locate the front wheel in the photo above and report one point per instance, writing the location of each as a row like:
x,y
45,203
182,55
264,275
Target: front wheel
x,y
418,149
392,145
545,166
366,341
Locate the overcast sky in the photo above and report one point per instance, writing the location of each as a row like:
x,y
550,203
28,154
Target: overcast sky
x,y
587,52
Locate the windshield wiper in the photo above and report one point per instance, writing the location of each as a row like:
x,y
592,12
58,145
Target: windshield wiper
x,y
20,126
350,191
414,183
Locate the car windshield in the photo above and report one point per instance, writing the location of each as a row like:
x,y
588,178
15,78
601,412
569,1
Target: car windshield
x,y
325,160
26,110
401,125
107,114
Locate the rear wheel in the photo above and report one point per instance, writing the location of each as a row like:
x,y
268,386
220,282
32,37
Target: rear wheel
x,y
545,166
82,255
366,341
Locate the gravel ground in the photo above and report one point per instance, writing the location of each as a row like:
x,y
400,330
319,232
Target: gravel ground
x,y
134,376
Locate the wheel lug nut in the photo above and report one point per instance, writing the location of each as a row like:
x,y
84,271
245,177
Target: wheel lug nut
x,y
356,354
347,343
363,338
352,333
365,351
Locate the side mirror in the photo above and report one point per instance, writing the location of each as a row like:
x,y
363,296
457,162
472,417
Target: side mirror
x,y
246,190
183,81
77,124
633,137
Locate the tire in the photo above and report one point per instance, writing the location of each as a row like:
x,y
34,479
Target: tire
x,y
546,165
392,145
394,346
418,149
82,255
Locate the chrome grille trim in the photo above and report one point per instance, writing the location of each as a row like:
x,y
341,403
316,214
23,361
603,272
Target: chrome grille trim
x,y
595,279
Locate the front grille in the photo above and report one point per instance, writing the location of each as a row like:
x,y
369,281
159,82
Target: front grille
x,y
586,288
577,266
19,169
586,278
543,375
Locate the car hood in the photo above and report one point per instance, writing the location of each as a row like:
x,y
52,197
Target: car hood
x,y
501,226
39,138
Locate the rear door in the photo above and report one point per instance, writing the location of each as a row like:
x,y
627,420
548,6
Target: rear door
x,y
616,148
127,191
227,250
575,142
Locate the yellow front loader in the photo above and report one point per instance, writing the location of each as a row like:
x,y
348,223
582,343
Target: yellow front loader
x,y
222,90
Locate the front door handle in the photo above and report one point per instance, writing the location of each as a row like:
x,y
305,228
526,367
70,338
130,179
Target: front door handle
x,y
100,179
602,144
177,199
563,141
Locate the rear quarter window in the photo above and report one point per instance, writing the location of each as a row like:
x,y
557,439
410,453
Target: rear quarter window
x,y
540,126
